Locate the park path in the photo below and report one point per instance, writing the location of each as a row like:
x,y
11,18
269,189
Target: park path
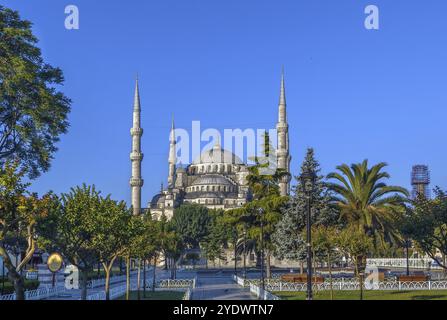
x,y
218,286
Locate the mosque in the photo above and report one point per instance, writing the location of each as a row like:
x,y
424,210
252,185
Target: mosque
x,y
215,179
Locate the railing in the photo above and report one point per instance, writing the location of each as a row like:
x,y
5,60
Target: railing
x,y
119,291
102,282
422,263
247,282
114,293
38,294
263,294
354,285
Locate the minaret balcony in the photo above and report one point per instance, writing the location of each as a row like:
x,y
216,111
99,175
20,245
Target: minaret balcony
x,y
136,132
136,156
282,125
134,182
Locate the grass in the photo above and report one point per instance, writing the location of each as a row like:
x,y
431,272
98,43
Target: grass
x,y
157,295
369,295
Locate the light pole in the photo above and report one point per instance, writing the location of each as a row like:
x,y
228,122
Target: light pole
x,y
308,184
245,252
261,214
407,250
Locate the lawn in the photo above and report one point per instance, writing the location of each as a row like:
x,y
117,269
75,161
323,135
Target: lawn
x,y
369,295
157,295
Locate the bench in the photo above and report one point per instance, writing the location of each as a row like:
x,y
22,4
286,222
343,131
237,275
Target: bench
x,y
301,278
412,278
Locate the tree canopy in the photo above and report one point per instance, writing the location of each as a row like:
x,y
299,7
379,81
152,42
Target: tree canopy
x,y
33,113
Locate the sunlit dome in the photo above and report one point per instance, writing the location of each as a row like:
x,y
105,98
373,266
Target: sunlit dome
x,y
217,155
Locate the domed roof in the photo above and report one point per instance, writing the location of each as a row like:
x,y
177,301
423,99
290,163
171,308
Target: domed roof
x,y
213,179
158,199
217,155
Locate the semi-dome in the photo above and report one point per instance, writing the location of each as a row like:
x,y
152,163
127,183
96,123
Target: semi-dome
x,y
211,179
217,155
157,200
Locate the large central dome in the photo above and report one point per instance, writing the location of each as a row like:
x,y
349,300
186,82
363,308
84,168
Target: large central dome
x,y
217,155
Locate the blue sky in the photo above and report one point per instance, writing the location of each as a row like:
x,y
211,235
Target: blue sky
x,y
352,93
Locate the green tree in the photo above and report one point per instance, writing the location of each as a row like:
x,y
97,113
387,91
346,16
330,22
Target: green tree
x,y
19,214
324,241
191,222
69,229
220,231
112,235
356,245
264,212
289,237
33,114
368,202
426,223
171,244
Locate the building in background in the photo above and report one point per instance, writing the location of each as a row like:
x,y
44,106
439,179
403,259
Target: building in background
x,y
216,179
420,181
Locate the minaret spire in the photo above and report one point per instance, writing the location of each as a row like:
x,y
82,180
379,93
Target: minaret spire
x,y
172,156
282,127
136,156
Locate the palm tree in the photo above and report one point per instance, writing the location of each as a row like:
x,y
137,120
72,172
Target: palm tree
x,y
367,202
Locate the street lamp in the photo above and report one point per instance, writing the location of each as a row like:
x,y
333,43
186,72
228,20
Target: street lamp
x,y
308,184
407,250
245,252
261,215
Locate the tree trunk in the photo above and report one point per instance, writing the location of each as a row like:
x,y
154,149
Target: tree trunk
x,y
19,288
144,278
84,279
301,267
139,279
235,258
107,286
154,274
268,265
127,277
14,276
330,274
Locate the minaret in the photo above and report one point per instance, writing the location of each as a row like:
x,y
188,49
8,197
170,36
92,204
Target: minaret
x,y
172,156
136,156
282,153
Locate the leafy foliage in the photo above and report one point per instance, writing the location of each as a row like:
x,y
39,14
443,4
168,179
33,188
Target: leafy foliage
x,y
19,213
289,237
191,222
426,223
369,203
33,114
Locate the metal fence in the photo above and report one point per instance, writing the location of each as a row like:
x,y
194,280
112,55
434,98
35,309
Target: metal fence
x,y
119,291
263,294
38,294
422,263
354,285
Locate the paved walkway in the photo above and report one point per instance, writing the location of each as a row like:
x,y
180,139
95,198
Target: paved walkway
x,y
218,286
